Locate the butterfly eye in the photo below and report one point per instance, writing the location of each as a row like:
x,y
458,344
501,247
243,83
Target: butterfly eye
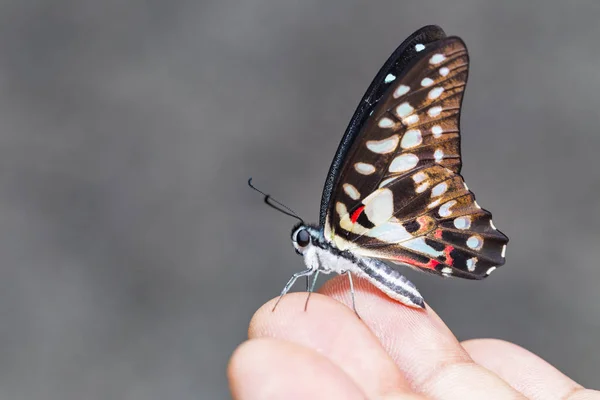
x,y
303,238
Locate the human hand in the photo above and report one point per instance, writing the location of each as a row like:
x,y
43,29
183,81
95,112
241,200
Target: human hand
x,y
393,353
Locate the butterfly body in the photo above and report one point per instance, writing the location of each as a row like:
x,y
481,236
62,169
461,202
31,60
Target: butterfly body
x,y
322,256
394,194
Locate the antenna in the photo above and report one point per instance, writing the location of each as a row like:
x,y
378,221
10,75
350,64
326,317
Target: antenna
x,y
271,202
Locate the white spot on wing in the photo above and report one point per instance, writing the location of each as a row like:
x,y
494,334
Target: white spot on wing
x,y
351,191
444,71
411,138
439,189
379,206
445,208
471,264
364,168
462,222
419,245
492,225
435,93
422,187
437,58
438,155
389,78
401,90
404,110
475,242
489,271
434,204
503,251
341,209
427,82
434,111
419,177
437,131
386,123
404,162
411,119
383,146
419,47
447,271
389,232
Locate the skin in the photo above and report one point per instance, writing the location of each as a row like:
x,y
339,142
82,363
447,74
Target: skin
x,y
393,352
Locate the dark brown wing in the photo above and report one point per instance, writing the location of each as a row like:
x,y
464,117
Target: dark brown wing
x,y
399,195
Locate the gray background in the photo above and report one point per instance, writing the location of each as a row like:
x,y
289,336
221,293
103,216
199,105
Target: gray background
x,y
132,253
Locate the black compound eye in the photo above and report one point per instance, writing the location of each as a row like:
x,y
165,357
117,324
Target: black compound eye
x,y
303,238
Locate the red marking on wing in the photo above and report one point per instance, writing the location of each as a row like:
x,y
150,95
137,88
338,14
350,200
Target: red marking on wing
x,y
431,264
438,234
356,214
447,251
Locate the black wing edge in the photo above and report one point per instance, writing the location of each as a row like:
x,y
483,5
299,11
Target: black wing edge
x,y
396,65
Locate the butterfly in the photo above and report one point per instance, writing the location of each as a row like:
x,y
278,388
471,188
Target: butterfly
x,y
394,194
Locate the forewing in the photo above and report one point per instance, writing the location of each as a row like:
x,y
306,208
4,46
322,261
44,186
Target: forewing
x,y
399,195
395,66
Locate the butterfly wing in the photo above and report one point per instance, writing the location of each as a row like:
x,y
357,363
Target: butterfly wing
x,y
395,66
398,195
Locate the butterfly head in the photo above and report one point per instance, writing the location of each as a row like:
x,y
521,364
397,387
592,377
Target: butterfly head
x,y
304,236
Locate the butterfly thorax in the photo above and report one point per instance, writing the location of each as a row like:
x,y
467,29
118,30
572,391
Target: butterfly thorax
x,y
319,254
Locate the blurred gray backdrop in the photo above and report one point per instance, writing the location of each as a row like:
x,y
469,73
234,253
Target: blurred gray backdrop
x,y
133,254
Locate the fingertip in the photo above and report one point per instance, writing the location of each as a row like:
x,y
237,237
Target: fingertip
x,y
333,330
522,369
264,369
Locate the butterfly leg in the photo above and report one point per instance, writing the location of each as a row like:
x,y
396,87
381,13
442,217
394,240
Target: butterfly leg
x,y
352,293
311,289
293,279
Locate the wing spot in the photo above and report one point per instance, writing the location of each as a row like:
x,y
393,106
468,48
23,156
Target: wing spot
x,y
437,131
475,242
419,47
438,155
435,93
426,82
404,162
434,204
462,222
404,110
465,185
447,271
434,111
379,206
477,205
386,123
351,191
504,251
437,58
492,225
411,119
445,208
401,90
419,177
383,146
364,168
422,187
444,71
390,78
439,189
411,138
471,264
489,271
